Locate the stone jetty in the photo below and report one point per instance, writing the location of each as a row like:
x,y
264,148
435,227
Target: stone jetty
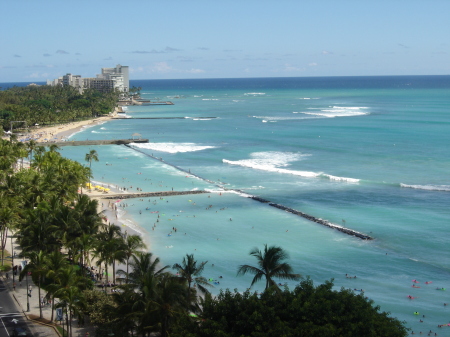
x,y
320,221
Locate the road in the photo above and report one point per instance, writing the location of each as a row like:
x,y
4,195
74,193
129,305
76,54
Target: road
x,y
10,315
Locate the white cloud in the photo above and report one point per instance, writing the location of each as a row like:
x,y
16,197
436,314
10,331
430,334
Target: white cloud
x,y
164,68
290,68
38,75
195,71
154,51
313,64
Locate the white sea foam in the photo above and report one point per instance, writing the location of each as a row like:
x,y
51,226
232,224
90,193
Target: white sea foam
x,y
334,178
172,147
242,194
268,168
254,93
338,111
282,118
442,188
275,161
210,99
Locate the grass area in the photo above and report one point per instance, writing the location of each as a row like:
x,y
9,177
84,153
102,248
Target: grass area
x,y
6,262
61,331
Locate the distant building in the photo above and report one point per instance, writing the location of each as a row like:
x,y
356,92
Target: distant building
x,y
120,74
109,80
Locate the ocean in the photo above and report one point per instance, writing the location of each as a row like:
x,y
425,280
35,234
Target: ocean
x,y
367,153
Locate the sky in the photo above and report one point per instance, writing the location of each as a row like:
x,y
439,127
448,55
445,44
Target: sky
x,y
171,39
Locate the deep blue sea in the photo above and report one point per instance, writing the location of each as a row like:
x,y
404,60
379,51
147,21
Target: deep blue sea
x,y
368,153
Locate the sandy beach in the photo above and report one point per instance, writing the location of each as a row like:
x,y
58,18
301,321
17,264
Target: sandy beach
x,y
60,132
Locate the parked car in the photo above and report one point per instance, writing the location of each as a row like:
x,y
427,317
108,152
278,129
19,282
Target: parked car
x,y
19,332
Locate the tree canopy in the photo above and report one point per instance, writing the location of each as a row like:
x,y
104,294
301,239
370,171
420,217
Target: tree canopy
x,y
52,104
307,310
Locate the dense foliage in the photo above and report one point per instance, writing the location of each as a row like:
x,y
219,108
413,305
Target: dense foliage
x,y
49,105
306,311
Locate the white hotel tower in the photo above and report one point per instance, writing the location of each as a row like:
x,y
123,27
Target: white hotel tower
x,y
110,79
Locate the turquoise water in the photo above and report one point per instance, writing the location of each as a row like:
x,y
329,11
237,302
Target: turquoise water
x,y
367,152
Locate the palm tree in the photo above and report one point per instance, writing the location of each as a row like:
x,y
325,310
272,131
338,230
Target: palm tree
x,y
132,244
56,263
270,265
143,265
191,273
91,156
38,231
170,301
38,269
8,217
143,290
109,247
31,146
71,298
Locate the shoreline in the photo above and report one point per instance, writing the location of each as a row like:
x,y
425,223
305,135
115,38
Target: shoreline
x,y
114,216
51,134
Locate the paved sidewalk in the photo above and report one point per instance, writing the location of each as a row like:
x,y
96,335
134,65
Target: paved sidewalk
x,y
20,294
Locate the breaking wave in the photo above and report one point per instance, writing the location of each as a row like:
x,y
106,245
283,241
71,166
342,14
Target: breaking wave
x,y
338,111
441,188
276,161
172,147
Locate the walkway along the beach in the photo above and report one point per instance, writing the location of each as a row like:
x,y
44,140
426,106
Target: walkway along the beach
x,y
320,221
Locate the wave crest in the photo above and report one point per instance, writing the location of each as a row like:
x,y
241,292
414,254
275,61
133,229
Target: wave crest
x,y
172,147
441,188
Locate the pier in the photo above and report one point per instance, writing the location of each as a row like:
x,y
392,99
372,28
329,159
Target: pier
x,y
97,142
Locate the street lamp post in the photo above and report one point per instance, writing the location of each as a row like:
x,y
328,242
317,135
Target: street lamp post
x,y
12,259
28,299
28,294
